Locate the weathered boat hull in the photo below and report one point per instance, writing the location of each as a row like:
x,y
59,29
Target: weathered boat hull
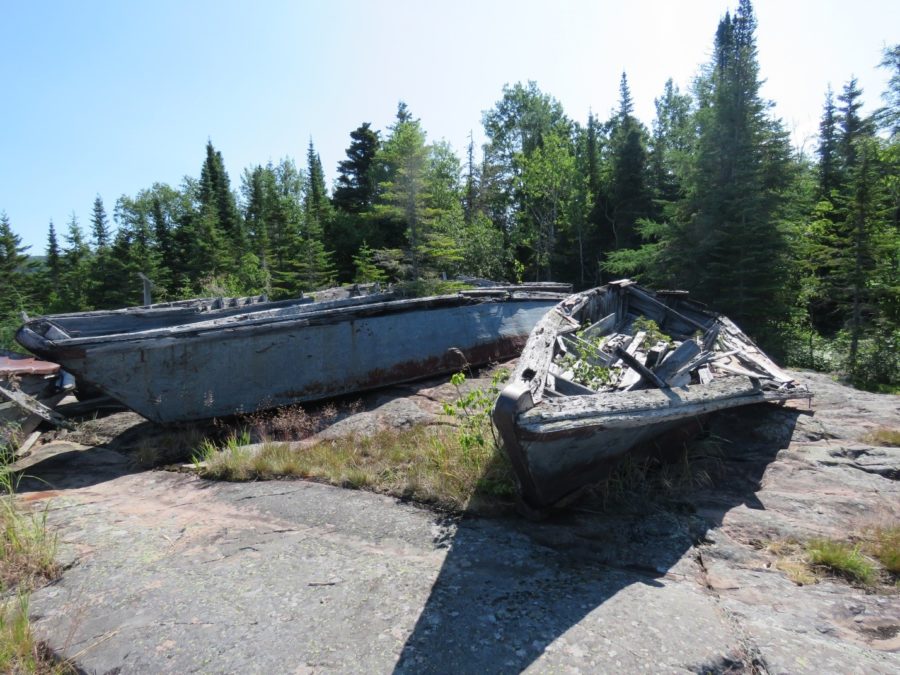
x,y
275,358
559,443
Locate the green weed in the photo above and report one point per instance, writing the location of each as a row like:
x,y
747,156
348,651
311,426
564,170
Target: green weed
x,y
842,559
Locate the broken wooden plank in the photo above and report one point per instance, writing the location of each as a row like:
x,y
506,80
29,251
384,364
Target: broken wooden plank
x,y
656,354
27,444
35,407
681,356
640,368
668,310
601,327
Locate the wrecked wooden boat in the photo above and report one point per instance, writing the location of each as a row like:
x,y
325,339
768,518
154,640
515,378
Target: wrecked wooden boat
x,y
613,368
276,356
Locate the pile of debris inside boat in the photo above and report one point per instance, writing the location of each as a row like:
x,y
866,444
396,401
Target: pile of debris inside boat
x,y
640,355
613,368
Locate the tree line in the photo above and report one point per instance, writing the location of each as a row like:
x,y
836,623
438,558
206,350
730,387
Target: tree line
x,y
801,251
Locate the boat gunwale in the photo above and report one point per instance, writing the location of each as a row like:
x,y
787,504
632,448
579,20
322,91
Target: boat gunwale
x,y
328,314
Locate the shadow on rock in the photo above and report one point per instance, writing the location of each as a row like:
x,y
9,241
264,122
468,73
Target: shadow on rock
x,y
104,448
509,590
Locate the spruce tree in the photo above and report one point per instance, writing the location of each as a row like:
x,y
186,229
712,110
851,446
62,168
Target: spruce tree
x,y
316,269
76,264
629,195
357,183
218,209
829,169
737,249
53,268
13,269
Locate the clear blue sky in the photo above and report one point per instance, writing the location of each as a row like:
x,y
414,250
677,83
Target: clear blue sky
x,y
109,97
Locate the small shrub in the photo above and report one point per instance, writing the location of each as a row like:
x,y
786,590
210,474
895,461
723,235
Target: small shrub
x,y
842,559
591,375
654,332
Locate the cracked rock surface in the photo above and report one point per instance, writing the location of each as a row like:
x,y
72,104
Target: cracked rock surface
x,y
170,573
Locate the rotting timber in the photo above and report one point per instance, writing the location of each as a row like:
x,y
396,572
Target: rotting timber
x,y
230,362
613,368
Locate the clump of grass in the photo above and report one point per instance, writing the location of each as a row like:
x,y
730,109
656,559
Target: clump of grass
x,y
884,437
656,471
440,466
20,652
884,546
842,559
790,558
230,461
27,557
27,546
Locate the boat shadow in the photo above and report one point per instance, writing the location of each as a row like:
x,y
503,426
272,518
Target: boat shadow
x,y
509,589
106,447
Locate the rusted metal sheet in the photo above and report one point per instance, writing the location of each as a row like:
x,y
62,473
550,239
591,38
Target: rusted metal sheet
x,y
562,434
13,364
294,353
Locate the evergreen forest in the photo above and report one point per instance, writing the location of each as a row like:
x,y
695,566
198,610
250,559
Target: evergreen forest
x,y
801,251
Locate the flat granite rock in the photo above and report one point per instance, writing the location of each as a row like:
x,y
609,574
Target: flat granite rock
x,y
171,573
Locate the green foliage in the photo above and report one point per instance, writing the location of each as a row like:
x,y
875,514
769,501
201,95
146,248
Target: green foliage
x,y
473,409
366,269
584,372
654,333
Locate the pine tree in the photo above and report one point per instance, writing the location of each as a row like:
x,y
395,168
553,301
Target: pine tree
x,y
851,128
829,170
403,157
741,173
13,269
670,148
